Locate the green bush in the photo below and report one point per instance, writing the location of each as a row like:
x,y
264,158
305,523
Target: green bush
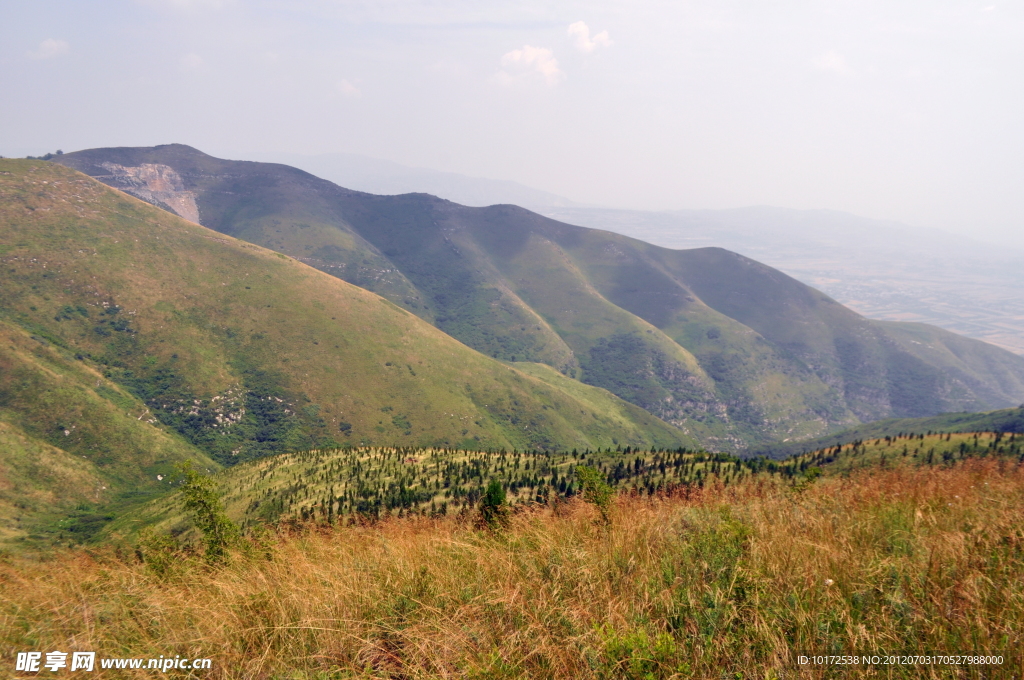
x,y
595,490
200,500
493,507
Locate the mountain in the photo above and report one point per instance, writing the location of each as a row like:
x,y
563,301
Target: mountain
x,y
727,349
132,339
377,176
882,269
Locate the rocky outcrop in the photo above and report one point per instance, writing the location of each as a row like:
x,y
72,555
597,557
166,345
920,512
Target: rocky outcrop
x,y
156,184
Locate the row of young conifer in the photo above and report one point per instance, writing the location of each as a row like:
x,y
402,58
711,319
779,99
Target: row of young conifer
x,y
356,484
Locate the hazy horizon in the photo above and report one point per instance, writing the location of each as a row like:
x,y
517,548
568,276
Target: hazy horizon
x,y
903,113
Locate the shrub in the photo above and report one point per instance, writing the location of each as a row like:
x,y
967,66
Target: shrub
x,y
200,500
493,508
595,490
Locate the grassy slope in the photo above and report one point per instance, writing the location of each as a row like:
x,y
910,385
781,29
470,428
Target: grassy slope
x,y
734,351
277,355
276,206
337,485
1005,420
73,442
720,581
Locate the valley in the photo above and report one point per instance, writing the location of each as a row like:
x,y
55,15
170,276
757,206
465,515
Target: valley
x,y
473,330
733,353
135,340
163,383
511,341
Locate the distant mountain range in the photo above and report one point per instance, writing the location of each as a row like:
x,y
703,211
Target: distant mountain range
x,y
726,349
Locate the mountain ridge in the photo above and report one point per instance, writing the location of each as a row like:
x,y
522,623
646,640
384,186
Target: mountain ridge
x,y
733,351
376,176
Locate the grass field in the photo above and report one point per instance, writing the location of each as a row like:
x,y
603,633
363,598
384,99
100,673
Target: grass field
x,y
712,581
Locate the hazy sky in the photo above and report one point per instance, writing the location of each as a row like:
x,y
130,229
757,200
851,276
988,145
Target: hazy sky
x,y
903,110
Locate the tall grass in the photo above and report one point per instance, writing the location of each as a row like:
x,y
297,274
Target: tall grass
x,y
725,582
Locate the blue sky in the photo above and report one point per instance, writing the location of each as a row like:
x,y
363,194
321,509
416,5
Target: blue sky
x,y
909,111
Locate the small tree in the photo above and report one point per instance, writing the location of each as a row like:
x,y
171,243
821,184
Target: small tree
x,y
493,508
200,500
595,490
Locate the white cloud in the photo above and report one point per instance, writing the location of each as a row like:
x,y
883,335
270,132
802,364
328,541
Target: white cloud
x,y
580,33
191,62
833,62
348,89
529,63
50,48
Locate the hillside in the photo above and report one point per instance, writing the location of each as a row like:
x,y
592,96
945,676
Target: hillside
x,y
367,484
133,339
1010,420
881,269
731,351
726,580
72,442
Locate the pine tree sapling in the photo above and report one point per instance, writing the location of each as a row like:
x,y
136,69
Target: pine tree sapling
x,y
200,500
595,490
493,508
159,552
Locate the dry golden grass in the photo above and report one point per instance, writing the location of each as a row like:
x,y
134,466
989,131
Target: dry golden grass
x,y
730,582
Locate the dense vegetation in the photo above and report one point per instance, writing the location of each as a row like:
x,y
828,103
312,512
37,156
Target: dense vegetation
x,y
715,581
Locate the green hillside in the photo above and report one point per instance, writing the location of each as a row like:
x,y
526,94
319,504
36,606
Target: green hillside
x,y
733,352
133,339
72,442
332,486
1010,420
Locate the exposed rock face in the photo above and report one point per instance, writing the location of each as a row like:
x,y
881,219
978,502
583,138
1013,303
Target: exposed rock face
x,y
156,184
